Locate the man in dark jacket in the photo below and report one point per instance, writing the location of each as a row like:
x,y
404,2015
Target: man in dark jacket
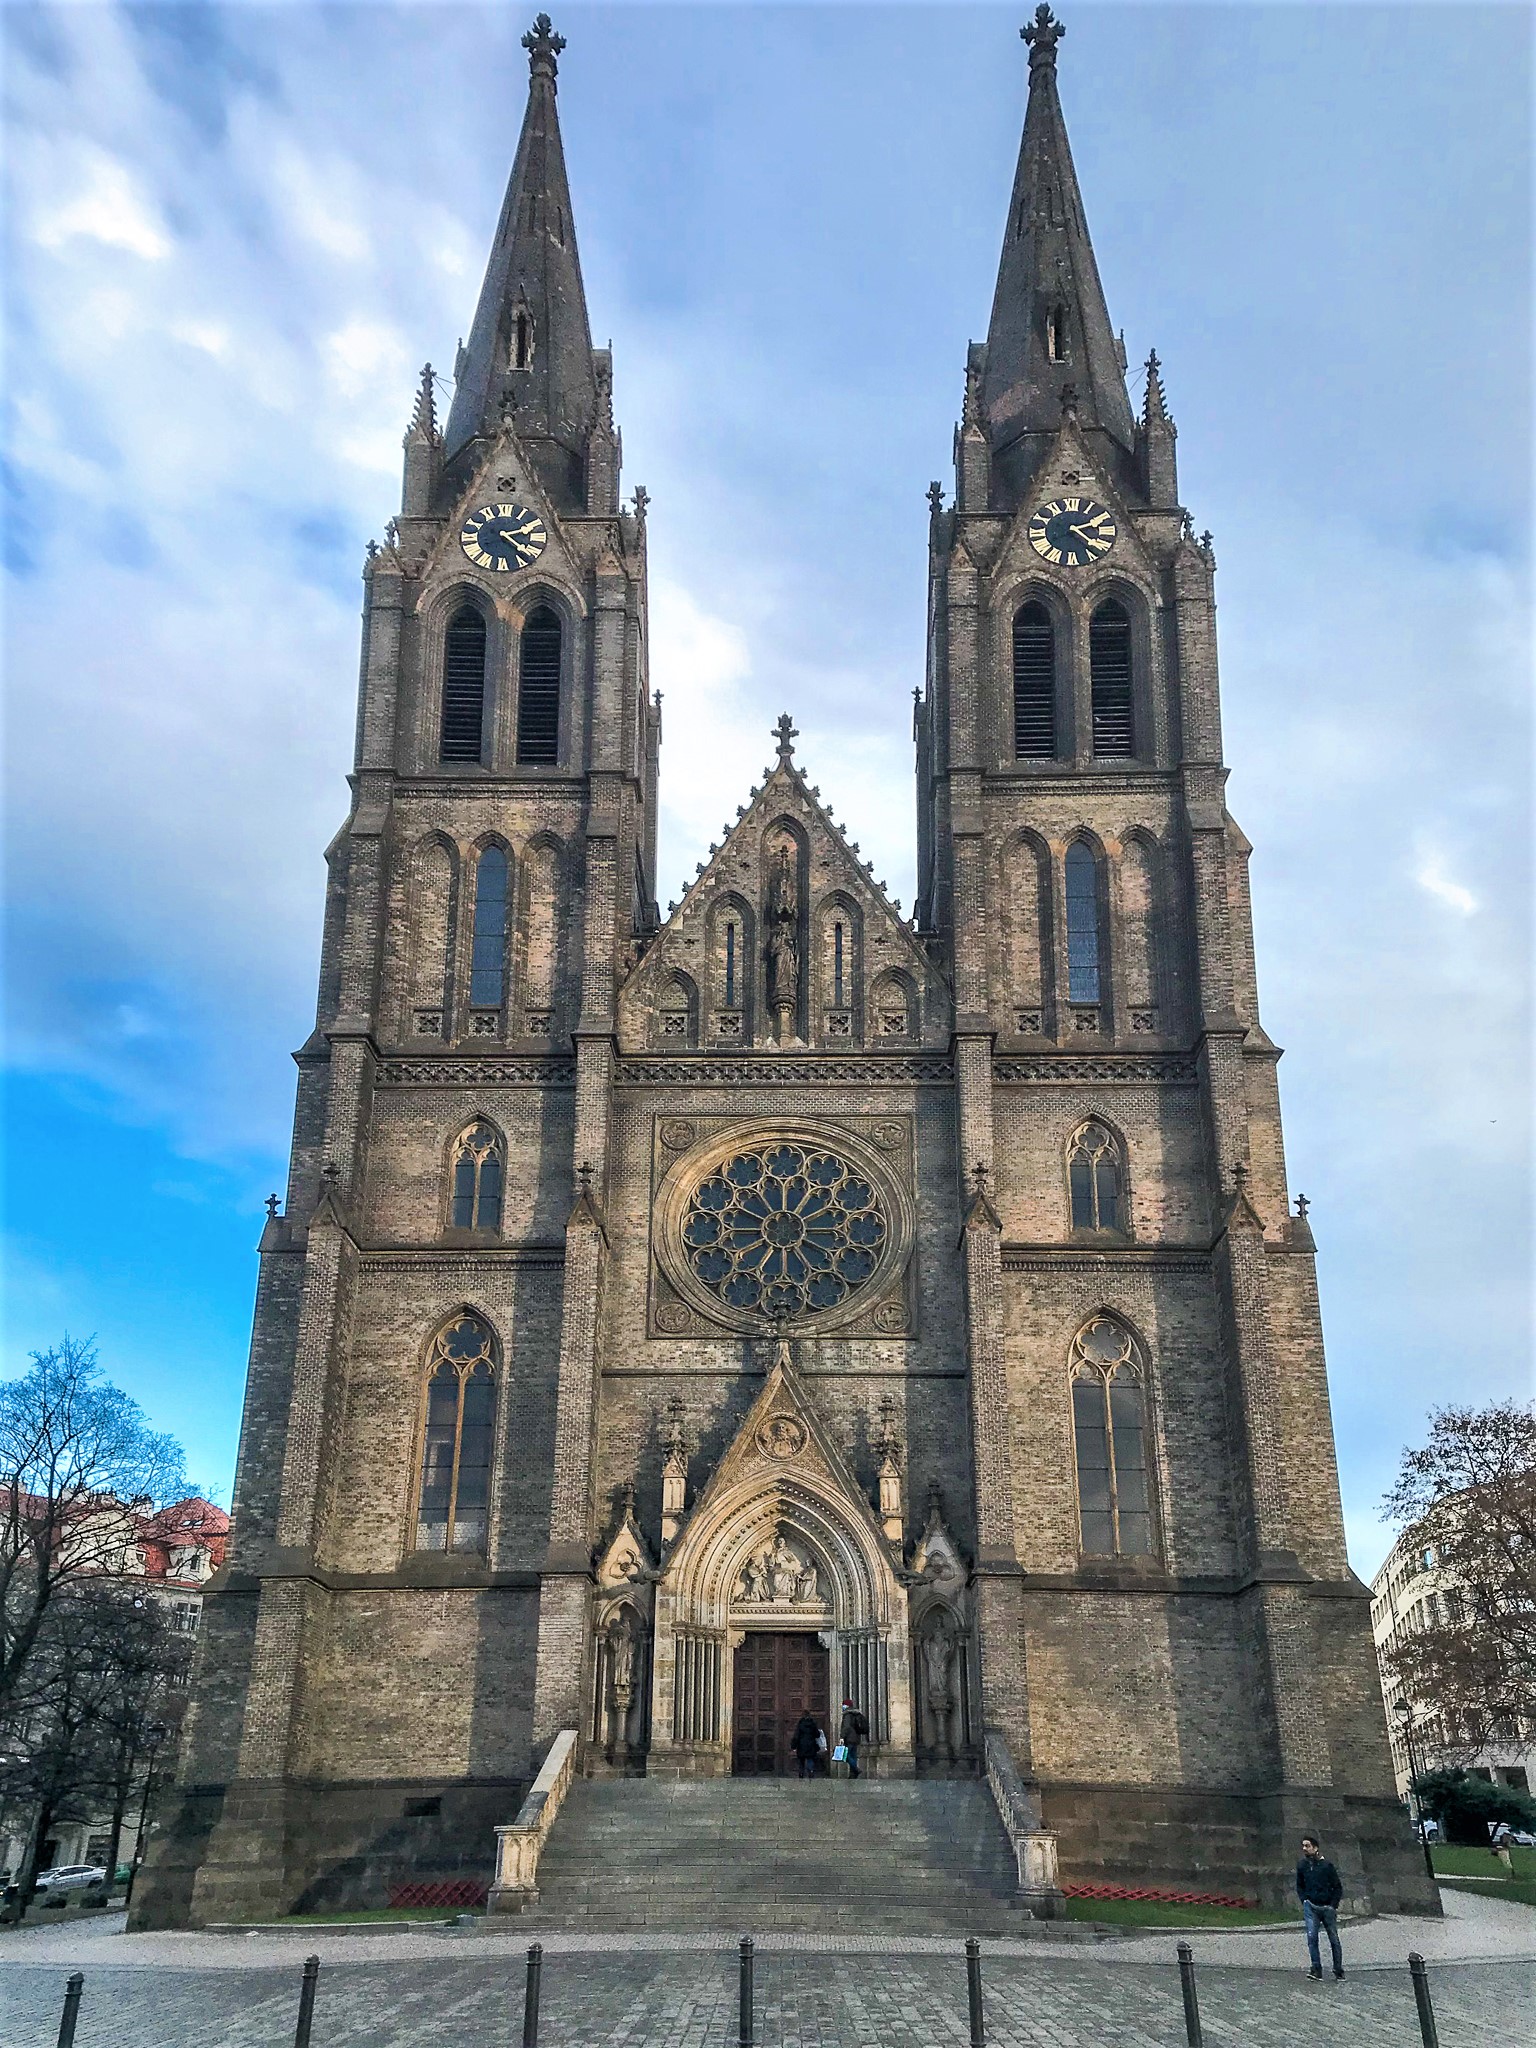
x,y
806,1743
851,1732
1319,1890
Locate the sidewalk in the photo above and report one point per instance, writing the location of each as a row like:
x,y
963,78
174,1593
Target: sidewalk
x,y
1474,1930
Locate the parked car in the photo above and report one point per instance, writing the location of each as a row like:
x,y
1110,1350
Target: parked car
x,y
1427,1830
71,1877
1515,1838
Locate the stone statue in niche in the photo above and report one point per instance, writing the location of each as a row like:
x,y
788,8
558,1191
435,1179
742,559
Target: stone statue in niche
x,y
778,1575
782,917
938,1668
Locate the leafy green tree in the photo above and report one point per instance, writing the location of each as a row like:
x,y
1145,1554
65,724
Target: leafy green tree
x,y
1467,1806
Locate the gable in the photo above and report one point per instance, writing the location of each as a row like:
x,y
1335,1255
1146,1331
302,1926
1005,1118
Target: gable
x,y
784,938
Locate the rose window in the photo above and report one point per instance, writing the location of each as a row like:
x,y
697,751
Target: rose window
x,y
785,1231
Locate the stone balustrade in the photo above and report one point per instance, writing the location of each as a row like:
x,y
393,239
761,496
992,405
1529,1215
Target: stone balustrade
x,y
1034,1847
519,1845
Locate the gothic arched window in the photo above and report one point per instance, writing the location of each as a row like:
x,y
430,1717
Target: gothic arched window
x,y
538,690
463,687
1082,924
1109,668
1034,684
732,964
475,1203
1096,1179
1109,1427
488,947
457,1438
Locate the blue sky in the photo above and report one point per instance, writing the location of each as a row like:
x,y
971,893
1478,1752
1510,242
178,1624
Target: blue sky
x,y
234,234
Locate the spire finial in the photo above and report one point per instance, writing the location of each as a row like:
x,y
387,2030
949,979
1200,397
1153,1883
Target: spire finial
x,y
1042,35
1156,406
424,418
543,45
786,734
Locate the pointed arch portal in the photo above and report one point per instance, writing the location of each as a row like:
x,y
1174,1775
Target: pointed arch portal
x,y
782,1540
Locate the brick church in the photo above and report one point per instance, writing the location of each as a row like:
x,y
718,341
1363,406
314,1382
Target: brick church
x,y
677,1321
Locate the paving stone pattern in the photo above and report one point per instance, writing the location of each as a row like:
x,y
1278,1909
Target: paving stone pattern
x,y
803,2001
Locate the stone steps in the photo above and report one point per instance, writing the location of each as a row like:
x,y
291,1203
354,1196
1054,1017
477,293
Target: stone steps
x,y
898,1856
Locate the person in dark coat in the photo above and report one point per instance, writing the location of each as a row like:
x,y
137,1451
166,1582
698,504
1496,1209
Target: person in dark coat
x,y
851,1732
1319,1890
806,1743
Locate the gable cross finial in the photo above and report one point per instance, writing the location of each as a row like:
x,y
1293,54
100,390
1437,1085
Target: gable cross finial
x,y
543,44
1042,35
786,734
271,1208
935,497
1239,1176
1302,1206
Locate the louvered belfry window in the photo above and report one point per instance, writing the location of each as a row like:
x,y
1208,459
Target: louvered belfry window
x,y
538,691
1109,665
1034,684
463,687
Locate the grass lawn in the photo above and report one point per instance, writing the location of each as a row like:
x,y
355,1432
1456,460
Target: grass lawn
x,y
1162,1913
1451,1862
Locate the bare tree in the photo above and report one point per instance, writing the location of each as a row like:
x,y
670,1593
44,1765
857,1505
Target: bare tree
x,y
77,1463
1468,1499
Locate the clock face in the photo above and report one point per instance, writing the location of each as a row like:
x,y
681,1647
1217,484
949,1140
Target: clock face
x,y
503,537
1072,531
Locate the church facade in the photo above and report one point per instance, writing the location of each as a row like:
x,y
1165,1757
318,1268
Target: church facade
x,y
675,1320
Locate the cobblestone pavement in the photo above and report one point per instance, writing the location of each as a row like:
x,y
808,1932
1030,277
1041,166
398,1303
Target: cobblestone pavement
x,y
647,1999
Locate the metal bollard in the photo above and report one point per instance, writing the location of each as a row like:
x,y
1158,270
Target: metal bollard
x,y
531,1996
747,1954
306,2002
973,1992
1419,1972
1191,1996
71,2012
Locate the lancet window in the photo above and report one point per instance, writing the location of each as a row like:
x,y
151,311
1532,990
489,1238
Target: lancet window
x,y
1082,878
457,1438
1095,1179
488,948
475,1203
1109,1426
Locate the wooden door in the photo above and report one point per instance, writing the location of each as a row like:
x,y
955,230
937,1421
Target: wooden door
x,y
777,1678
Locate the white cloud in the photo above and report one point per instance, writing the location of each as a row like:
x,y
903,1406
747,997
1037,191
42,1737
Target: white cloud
x,y
320,201
105,206
1434,881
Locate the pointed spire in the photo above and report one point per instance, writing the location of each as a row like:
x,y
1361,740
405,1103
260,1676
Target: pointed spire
x,y
1156,437
528,359
1050,324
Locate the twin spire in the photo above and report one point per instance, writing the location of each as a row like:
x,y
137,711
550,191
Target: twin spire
x,y
1050,347
529,354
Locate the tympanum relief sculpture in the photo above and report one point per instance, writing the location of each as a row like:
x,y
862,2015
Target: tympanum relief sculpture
x,y
779,1575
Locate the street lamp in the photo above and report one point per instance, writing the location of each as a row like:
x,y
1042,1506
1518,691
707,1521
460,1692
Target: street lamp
x,y
154,1735
1403,1714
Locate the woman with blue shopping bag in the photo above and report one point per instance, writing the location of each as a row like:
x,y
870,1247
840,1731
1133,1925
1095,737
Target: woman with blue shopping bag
x,y
852,1731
